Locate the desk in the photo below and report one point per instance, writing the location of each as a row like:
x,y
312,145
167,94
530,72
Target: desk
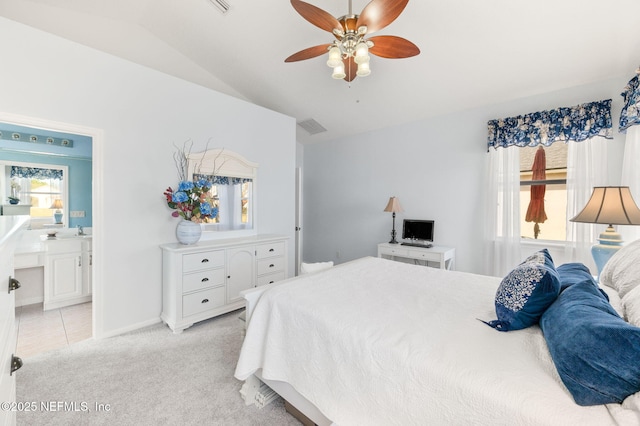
x,y
444,256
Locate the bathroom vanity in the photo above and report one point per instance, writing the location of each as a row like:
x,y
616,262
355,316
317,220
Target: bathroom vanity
x,y
66,263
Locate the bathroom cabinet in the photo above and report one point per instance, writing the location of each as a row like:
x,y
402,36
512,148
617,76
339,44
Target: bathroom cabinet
x,y
67,272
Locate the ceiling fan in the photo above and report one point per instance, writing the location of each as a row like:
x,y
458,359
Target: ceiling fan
x,y
349,53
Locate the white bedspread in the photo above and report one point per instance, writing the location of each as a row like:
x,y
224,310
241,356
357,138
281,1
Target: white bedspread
x,y
377,342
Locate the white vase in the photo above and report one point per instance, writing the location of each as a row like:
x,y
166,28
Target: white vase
x,y
188,232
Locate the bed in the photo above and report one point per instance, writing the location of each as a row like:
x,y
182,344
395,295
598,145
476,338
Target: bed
x,y
378,342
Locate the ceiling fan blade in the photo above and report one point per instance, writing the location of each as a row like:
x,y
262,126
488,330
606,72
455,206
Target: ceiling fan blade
x,y
350,68
393,47
316,16
380,13
308,53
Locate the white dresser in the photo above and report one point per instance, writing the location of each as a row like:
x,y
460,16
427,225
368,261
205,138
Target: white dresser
x,y
204,280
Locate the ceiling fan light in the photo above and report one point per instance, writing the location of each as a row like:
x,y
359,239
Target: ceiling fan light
x,y
362,53
335,57
363,69
338,72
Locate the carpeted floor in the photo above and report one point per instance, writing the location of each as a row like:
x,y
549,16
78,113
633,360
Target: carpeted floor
x,y
147,377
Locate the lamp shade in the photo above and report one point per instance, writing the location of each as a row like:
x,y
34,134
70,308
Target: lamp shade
x,y
57,204
611,205
363,69
335,57
393,205
338,72
362,53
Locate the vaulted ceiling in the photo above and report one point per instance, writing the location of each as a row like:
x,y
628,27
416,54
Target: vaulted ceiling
x,y
473,53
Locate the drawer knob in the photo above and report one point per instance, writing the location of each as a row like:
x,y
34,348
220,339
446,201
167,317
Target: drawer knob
x,y
271,250
204,260
204,280
205,301
272,265
16,363
13,284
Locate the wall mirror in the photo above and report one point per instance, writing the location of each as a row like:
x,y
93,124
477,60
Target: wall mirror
x,y
233,189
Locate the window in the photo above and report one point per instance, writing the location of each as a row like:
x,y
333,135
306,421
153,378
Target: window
x,y
554,186
213,193
37,186
586,128
244,203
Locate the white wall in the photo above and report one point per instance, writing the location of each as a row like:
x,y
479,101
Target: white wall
x,y
138,114
435,167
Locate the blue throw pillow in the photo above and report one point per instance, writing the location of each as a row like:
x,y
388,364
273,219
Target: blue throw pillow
x,y
595,351
526,292
573,273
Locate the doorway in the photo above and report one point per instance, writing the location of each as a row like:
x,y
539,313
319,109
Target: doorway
x,y
94,138
298,225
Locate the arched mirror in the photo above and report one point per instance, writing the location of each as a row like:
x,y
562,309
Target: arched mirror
x,y
233,189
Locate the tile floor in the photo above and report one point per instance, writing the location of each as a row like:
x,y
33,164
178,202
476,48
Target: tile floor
x,y
41,331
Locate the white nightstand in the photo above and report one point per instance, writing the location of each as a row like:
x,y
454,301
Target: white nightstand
x,y
444,257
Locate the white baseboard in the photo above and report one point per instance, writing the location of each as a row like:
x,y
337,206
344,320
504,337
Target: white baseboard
x,y
128,328
29,301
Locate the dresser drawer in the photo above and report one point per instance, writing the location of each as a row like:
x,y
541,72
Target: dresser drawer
x,y
270,278
268,266
389,251
202,279
428,256
203,260
201,301
270,250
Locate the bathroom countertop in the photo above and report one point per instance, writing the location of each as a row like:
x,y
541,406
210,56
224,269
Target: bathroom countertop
x,y
34,241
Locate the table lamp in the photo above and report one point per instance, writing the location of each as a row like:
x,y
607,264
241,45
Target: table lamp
x,y
57,215
611,205
393,206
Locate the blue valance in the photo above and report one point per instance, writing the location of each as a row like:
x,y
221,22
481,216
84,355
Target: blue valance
x,y
630,114
221,180
576,123
35,172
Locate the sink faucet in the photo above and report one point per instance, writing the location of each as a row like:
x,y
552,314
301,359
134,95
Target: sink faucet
x,y
80,230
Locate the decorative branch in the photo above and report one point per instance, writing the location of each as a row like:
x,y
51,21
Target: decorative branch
x,y
198,165
215,169
181,159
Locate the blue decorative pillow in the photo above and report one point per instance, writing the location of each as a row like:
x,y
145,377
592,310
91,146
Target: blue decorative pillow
x,y
595,351
573,273
526,292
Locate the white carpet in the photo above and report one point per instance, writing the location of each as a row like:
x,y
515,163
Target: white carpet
x,y
147,377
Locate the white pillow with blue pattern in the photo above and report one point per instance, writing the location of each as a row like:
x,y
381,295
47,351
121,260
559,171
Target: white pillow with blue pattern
x,y
526,292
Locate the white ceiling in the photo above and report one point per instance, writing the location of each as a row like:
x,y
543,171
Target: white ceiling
x,y
473,52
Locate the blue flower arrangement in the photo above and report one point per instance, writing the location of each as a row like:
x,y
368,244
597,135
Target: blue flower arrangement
x,y
191,201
